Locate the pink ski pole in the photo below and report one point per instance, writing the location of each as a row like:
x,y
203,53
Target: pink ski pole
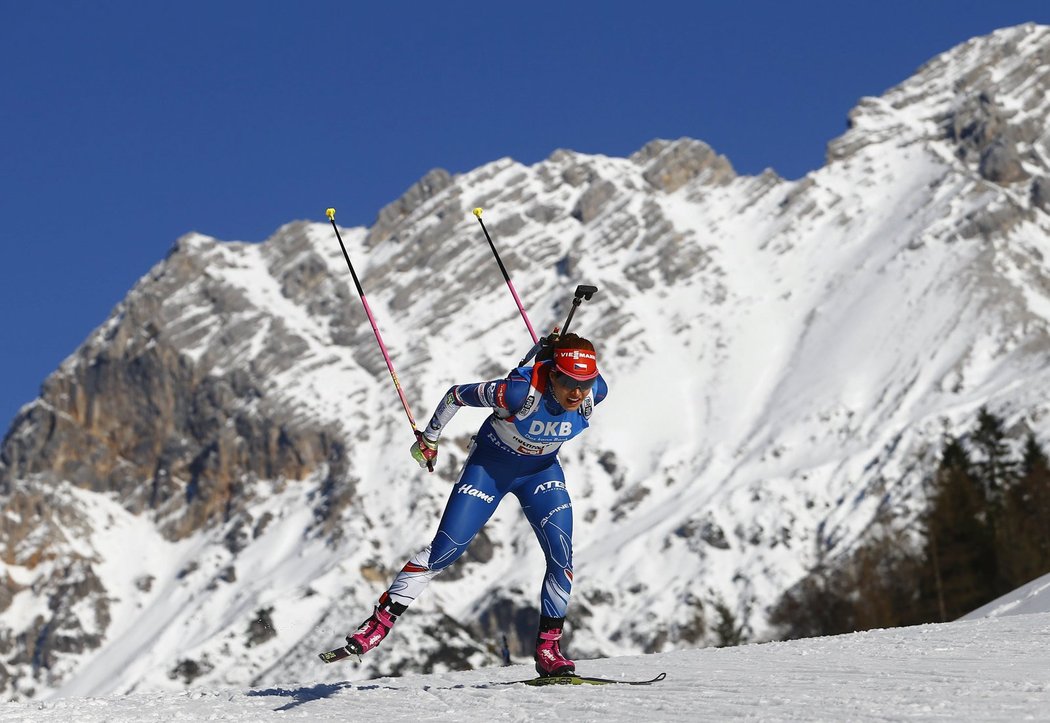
x,y
382,347
506,277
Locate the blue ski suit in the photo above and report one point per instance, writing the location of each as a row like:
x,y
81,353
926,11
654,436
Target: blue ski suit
x,y
514,452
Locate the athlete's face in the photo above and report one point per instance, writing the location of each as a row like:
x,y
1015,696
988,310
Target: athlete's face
x,y
569,392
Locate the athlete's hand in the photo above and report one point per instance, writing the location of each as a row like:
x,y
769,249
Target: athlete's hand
x,y
424,451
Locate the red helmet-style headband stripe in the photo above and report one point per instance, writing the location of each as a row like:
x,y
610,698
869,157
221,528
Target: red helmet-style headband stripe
x,y
579,364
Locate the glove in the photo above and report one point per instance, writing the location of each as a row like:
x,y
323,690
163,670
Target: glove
x,y
424,451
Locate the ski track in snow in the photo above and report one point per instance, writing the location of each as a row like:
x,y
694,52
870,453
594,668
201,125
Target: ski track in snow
x,y
991,669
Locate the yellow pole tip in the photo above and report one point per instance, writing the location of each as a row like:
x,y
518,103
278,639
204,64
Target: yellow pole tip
x,y
477,212
330,213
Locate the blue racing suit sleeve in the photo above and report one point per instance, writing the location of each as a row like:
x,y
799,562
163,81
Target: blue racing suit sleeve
x,y
601,390
506,394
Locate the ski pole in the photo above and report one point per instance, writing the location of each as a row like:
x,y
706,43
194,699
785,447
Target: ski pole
x,y
382,347
506,277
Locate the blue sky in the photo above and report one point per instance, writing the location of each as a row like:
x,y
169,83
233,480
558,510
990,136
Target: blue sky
x,y
124,125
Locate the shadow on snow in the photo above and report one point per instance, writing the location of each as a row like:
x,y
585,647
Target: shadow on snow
x,y
306,694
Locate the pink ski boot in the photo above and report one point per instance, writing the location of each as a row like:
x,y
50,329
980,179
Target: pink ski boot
x,y
549,659
375,628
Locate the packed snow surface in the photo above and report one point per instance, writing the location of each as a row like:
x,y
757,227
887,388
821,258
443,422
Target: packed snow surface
x,y
1033,597
993,669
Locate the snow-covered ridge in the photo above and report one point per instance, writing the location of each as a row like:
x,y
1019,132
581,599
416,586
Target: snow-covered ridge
x,y
782,358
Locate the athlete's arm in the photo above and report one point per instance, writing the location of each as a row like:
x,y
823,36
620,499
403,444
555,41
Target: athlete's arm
x,y
506,394
601,390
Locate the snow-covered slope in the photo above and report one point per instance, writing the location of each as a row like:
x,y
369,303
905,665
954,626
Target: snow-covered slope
x,y
987,670
1033,597
216,485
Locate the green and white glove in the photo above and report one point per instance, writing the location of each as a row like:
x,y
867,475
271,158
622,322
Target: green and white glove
x,y
424,451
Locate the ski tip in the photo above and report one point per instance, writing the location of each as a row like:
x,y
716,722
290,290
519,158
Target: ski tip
x,y
477,211
330,213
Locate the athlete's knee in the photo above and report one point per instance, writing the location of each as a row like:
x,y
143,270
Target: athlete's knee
x,y
418,566
561,573
413,578
557,547
419,562
444,551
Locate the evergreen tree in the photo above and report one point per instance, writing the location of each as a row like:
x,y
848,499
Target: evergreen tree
x,y
960,570
1034,457
1023,539
728,632
987,532
994,466
818,605
997,472
884,572
874,587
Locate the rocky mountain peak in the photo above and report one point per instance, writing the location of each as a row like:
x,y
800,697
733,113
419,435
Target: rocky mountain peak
x,y
669,165
987,97
394,214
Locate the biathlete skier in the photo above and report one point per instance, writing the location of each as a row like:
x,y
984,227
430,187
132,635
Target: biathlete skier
x,y
534,411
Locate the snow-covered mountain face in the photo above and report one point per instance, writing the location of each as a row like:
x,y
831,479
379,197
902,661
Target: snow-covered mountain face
x,y
216,485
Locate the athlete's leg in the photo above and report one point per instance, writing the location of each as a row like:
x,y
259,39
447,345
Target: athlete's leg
x,y
471,503
546,504
548,508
